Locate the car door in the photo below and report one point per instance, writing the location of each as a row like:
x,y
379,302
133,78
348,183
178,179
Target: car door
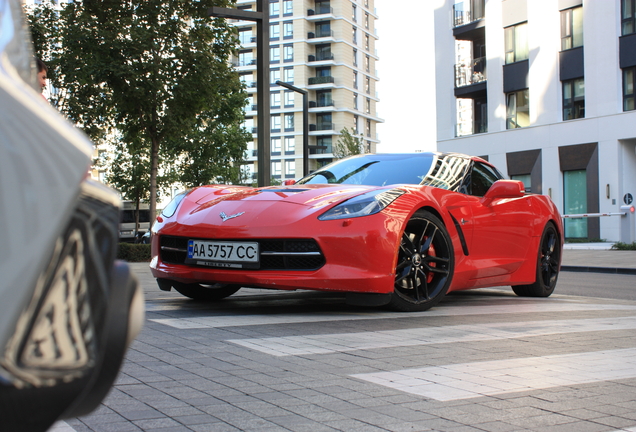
x,y
501,228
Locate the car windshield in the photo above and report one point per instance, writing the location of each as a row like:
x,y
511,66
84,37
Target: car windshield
x,y
374,170
445,171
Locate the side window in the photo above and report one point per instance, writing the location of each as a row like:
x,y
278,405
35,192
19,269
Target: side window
x,y
482,177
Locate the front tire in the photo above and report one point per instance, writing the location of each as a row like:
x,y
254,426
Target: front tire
x,y
548,263
205,292
425,264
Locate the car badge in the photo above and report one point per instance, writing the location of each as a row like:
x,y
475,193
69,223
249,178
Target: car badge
x,y
226,217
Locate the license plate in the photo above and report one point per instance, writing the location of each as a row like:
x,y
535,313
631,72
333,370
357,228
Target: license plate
x,y
204,252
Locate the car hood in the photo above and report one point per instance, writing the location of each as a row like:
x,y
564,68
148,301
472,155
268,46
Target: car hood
x,y
236,206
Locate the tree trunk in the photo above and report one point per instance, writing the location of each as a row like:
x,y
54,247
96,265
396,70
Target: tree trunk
x,y
154,164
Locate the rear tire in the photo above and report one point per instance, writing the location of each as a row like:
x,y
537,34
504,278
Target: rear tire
x,y
548,263
205,292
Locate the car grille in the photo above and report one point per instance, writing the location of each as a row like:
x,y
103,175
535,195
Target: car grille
x,y
294,254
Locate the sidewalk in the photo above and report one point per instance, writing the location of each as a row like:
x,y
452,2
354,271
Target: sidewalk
x,y
597,257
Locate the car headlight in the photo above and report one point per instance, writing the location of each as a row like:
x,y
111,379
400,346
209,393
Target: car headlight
x,y
172,206
363,205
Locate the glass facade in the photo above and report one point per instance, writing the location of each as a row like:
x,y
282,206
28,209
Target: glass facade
x,y
575,202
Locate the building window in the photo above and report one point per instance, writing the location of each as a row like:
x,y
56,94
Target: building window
x,y
368,127
290,144
354,11
629,82
573,99
323,52
289,99
366,20
274,54
245,36
628,17
275,99
355,101
290,168
526,179
246,58
355,124
288,53
274,31
575,202
517,110
354,35
274,75
366,42
276,145
323,29
289,122
276,123
288,7
355,79
323,7
323,71
323,98
367,85
274,8
324,144
355,57
516,43
288,75
367,63
571,28
368,106
276,169
323,121
288,30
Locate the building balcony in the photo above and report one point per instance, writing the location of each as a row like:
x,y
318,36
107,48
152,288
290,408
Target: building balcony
x,y
472,73
251,62
320,104
320,11
320,57
321,80
320,149
467,12
320,34
321,127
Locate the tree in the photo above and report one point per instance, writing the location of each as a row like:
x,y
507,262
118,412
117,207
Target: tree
x,y
158,73
348,144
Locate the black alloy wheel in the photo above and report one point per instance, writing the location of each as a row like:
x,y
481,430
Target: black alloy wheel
x,y
548,263
204,292
425,264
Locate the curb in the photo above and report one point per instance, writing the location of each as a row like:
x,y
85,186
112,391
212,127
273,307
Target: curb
x,y
611,270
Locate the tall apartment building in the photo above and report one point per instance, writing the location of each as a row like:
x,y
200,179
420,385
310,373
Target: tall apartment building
x,y
326,47
545,90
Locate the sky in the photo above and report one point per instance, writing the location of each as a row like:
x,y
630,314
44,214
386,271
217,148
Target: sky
x,y
407,75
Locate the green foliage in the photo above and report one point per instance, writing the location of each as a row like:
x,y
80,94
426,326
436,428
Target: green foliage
x,y
348,144
624,246
132,252
153,76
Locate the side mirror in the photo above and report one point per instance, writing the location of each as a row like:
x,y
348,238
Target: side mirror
x,y
289,182
505,189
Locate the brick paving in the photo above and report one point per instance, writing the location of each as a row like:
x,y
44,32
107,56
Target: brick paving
x,y
482,360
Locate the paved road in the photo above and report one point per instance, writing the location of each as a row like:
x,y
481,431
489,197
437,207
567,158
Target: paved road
x,y
482,360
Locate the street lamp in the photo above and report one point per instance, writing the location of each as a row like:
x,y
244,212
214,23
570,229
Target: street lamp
x,y
261,17
305,123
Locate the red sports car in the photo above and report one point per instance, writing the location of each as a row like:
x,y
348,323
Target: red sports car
x,y
388,229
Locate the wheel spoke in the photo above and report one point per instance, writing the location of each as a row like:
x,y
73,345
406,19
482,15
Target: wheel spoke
x,y
420,284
